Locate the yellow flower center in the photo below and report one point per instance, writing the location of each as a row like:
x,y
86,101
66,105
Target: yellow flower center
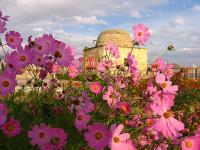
x,y
188,144
39,47
139,33
167,114
12,39
98,135
41,134
6,83
149,123
80,117
116,139
58,54
55,140
22,58
10,127
96,87
164,85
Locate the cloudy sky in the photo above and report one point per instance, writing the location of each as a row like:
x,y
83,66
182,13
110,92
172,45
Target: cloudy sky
x,y
78,22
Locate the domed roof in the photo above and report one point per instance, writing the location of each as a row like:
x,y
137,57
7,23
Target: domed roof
x,y
117,36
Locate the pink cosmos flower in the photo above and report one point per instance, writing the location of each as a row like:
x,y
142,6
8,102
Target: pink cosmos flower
x,y
39,134
57,140
55,68
198,131
125,107
11,128
96,87
2,26
120,82
164,97
191,143
97,136
21,58
73,71
105,65
168,125
44,44
89,106
132,63
112,96
141,33
77,104
63,53
158,65
166,85
162,146
130,145
5,18
118,140
13,39
3,113
82,103
169,71
81,120
7,83
113,50
143,140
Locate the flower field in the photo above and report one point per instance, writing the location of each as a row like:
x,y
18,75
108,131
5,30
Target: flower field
x,y
116,109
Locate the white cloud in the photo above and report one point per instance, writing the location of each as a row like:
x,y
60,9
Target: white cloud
x,y
79,41
38,29
179,20
196,8
190,49
135,14
91,20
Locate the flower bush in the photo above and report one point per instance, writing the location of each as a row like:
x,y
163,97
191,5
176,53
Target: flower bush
x,y
118,108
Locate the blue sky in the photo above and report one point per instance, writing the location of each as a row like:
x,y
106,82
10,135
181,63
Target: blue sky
x,y
78,22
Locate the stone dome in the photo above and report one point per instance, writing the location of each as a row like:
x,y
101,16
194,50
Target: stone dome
x,y
117,36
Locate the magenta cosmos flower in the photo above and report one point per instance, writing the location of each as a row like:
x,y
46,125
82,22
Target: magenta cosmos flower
x,y
166,124
39,134
124,107
57,140
2,26
3,113
64,54
132,63
97,136
112,97
11,128
169,72
141,33
20,59
44,44
158,65
5,18
7,83
119,141
113,50
191,143
73,71
89,106
13,39
165,84
96,87
82,103
81,120
105,65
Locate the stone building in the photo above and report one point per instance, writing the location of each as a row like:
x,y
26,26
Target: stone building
x,y
124,42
